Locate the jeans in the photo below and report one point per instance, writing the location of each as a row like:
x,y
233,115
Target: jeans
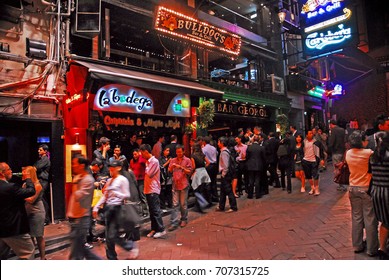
x,y
142,197
79,230
155,212
180,203
362,214
112,232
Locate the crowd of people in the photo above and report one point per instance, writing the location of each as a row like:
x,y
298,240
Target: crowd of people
x,y
163,177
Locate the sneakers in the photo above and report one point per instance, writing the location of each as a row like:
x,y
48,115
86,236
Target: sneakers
x,y
151,234
183,223
229,211
88,246
217,209
302,190
159,234
312,191
316,193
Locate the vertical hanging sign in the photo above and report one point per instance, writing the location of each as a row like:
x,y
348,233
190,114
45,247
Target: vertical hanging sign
x,y
328,25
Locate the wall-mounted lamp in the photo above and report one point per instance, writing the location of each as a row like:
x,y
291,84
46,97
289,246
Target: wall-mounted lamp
x,y
281,15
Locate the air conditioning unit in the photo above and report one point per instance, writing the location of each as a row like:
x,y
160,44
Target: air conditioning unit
x,y
277,84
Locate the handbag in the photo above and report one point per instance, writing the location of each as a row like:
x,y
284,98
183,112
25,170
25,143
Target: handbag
x,y
97,194
342,173
128,216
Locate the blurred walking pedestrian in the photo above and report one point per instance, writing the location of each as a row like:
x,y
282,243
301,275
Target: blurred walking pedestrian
x,y
78,210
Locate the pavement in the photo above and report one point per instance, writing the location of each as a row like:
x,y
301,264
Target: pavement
x,y
278,226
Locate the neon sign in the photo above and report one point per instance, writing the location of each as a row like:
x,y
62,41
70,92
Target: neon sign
x,y
333,21
73,98
338,90
179,106
317,91
185,27
122,98
318,41
313,5
150,122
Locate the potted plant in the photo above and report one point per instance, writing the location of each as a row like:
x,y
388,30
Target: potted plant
x,y
283,122
189,128
206,113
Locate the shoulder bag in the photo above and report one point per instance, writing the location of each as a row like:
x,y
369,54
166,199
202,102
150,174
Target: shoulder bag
x,y
342,172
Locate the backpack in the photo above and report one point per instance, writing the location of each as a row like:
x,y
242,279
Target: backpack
x,y
282,151
232,164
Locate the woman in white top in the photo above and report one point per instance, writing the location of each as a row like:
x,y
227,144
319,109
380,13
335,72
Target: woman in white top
x,y
362,211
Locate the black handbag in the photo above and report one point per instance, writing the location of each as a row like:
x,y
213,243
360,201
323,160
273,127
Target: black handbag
x,y
129,216
342,173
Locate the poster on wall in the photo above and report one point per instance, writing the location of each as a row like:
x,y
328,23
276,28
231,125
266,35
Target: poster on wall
x,y
327,26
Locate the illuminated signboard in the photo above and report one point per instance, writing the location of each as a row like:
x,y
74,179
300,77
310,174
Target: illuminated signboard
x,y
179,106
123,98
328,25
240,109
128,99
179,25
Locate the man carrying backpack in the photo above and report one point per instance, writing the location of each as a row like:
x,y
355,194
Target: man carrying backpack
x,y
226,178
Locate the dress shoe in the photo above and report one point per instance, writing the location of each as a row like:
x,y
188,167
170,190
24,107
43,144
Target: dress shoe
x,y
382,255
172,227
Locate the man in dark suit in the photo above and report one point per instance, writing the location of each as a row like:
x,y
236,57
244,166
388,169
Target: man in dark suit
x,y
172,145
14,227
272,159
255,165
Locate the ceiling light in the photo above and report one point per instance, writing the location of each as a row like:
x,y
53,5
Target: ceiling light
x,y
253,16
